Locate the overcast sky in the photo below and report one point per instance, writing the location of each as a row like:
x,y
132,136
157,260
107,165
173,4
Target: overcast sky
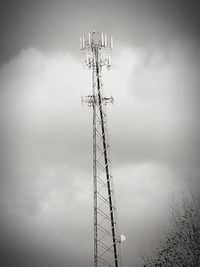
x,y
46,216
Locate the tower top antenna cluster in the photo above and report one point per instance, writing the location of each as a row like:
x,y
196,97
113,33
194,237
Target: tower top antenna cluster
x,y
95,40
91,44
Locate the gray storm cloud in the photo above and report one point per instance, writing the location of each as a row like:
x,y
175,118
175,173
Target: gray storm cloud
x,y
49,186
50,25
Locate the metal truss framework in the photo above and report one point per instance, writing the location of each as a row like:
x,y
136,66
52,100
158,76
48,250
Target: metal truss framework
x,y
106,233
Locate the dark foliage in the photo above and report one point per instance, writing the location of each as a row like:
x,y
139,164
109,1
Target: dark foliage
x,y
181,245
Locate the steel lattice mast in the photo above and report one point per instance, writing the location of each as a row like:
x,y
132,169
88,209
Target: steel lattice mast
x,y
106,234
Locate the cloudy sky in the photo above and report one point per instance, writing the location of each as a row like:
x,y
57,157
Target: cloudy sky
x,y
46,135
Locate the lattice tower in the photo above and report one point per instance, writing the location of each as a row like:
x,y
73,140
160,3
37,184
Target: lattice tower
x,y
106,234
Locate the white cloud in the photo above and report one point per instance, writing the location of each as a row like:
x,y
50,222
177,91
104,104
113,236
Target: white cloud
x,y
50,141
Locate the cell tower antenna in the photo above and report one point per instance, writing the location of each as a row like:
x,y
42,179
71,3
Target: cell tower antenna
x,y
106,233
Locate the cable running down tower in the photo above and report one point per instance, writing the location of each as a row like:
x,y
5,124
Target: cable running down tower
x,y
106,234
